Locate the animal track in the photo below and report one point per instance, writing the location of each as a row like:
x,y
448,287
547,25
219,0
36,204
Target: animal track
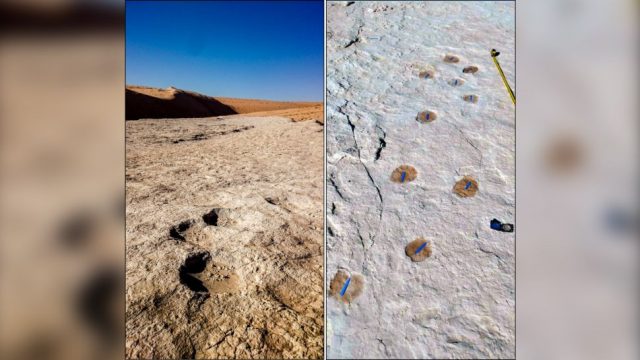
x,y
211,218
382,8
177,232
201,275
196,137
426,116
293,293
470,69
410,174
466,187
426,74
186,229
470,98
451,59
456,82
208,135
194,264
216,217
343,291
418,250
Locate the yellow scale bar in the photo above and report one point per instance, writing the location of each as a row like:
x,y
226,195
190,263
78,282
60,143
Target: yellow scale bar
x,y
494,55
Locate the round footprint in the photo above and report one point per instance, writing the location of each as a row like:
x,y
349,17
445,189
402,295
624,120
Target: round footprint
x,y
346,287
426,74
470,98
456,82
466,187
451,59
470,69
564,155
404,174
426,116
418,250
202,275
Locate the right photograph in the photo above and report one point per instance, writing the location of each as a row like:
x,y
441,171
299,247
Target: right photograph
x,y
420,179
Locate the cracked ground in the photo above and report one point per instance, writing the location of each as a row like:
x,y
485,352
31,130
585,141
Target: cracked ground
x,y
224,241
460,302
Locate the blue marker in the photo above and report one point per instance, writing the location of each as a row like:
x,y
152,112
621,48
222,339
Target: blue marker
x,y
420,248
344,288
496,224
455,82
426,116
403,176
466,187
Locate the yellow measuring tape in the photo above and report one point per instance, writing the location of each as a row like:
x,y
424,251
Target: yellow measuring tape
x,y
494,55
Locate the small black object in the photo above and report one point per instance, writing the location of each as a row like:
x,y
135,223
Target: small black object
x,y
499,226
494,53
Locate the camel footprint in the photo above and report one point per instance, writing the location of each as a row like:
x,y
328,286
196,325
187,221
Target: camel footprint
x,y
178,232
451,59
456,82
201,275
472,69
198,272
187,229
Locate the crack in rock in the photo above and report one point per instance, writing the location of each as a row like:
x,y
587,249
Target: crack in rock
x,y
386,351
335,186
382,143
356,39
355,140
366,169
468,141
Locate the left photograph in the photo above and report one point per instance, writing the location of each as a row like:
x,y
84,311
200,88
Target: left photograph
x,y
224,180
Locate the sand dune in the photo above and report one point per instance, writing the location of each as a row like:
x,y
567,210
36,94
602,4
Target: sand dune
x,y
315,112
154,103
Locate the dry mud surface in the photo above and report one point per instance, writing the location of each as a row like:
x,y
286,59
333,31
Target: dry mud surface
x,y
224,238
389,65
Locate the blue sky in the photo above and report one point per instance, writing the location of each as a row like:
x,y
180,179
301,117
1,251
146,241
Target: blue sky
x,y
260,50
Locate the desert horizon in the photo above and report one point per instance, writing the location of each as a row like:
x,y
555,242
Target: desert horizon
x,y
225,223
147,102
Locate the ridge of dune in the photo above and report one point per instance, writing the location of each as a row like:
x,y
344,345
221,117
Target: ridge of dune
x,y
145,102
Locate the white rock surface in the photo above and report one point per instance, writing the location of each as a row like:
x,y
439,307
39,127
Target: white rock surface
x,y
460,302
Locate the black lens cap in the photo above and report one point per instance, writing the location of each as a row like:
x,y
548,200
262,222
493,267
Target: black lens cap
x,y
507,227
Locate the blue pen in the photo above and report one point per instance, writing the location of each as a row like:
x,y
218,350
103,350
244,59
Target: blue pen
x,y
403,176
420,248
468,185
344,288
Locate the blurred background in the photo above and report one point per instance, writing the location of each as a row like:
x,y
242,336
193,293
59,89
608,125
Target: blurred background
x,y
62,179
577,179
